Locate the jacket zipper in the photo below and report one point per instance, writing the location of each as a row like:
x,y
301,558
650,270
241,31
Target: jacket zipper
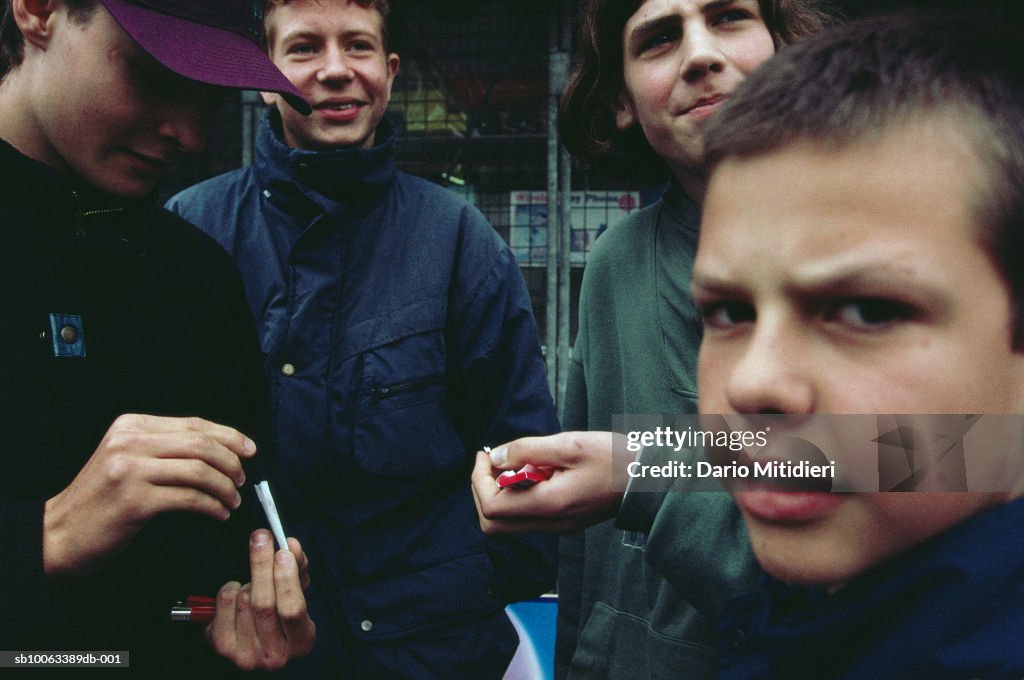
x,y
392,390
80,215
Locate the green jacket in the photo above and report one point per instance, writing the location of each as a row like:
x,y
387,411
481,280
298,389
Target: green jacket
x,y
636,353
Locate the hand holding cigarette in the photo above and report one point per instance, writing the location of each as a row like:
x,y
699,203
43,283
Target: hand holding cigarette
x,y
270,510
264,623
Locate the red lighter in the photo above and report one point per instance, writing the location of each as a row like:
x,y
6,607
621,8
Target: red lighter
x,y
528,475
195,609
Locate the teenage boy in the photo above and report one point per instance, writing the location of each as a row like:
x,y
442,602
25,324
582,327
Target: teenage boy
x,y
400,340
128,356
649,78
860,253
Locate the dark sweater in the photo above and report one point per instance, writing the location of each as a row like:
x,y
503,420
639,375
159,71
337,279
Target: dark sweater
x,y
160,326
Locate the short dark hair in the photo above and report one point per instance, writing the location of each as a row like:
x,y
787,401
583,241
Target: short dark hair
x,y
858,82
12,42
383,8
587,118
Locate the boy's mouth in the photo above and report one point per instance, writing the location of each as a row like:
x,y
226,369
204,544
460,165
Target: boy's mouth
x,y
785,507
706,105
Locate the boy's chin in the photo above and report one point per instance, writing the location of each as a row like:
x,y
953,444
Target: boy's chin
x,y
804,574
127,187
808,563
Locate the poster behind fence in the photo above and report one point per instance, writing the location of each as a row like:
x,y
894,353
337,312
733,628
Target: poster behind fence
x,y
592,212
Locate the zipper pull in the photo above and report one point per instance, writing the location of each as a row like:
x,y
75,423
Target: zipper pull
x,y
79,219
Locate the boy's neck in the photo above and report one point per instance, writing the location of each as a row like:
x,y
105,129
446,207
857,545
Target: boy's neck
x,y
693,182
19,127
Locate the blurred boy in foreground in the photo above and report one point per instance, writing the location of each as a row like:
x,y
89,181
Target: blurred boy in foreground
x,y
859,253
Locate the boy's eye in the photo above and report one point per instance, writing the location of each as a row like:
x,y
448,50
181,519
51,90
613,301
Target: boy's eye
x,y
660,38
301,49
361,46
732,16
868,313
723,315
149,77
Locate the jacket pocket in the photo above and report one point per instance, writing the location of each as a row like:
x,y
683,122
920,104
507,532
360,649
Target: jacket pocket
x,y
615,644
402,422
384,398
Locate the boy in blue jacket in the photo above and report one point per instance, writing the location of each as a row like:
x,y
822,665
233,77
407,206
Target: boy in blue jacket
x,y
400,338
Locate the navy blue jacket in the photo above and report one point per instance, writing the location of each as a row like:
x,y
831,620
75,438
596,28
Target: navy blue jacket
x,y
949,609
400,340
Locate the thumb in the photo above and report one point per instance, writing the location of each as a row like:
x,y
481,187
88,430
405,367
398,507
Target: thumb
x,y
562,450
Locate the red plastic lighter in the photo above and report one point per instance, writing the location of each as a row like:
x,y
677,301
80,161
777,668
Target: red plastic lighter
x,y
195,609
524,477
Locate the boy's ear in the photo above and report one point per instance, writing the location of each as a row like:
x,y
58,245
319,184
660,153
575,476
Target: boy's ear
x,y
393,62
34,19
623,110
392,65
269,98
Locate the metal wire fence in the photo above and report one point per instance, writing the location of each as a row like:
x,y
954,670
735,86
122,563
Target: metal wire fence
x,y
473,108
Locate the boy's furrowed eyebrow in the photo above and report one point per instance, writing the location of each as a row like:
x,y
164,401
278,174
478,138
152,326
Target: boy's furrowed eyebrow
x,y
649,26
657,23
716,5
701,284
853,280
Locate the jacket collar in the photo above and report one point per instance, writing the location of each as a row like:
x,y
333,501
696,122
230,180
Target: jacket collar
x,y
66,207
681,207
966,574
340,175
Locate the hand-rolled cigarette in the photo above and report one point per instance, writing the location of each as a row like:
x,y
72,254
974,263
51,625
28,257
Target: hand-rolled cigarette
x,y
267,501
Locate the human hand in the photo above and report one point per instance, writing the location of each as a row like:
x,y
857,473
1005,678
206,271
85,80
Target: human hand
x,y
263,624
580,491
144,466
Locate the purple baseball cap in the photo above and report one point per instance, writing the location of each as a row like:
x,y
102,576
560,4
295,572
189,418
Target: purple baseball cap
x,y
218,42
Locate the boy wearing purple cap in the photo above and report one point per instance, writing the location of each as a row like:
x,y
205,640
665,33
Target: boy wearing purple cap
x,y
400,338
127,356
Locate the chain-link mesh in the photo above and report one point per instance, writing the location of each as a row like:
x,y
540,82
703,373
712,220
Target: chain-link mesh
x,y
471,107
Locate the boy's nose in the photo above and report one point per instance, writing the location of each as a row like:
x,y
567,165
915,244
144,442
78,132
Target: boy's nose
x,y
335,66
702,55
187,133
771,375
